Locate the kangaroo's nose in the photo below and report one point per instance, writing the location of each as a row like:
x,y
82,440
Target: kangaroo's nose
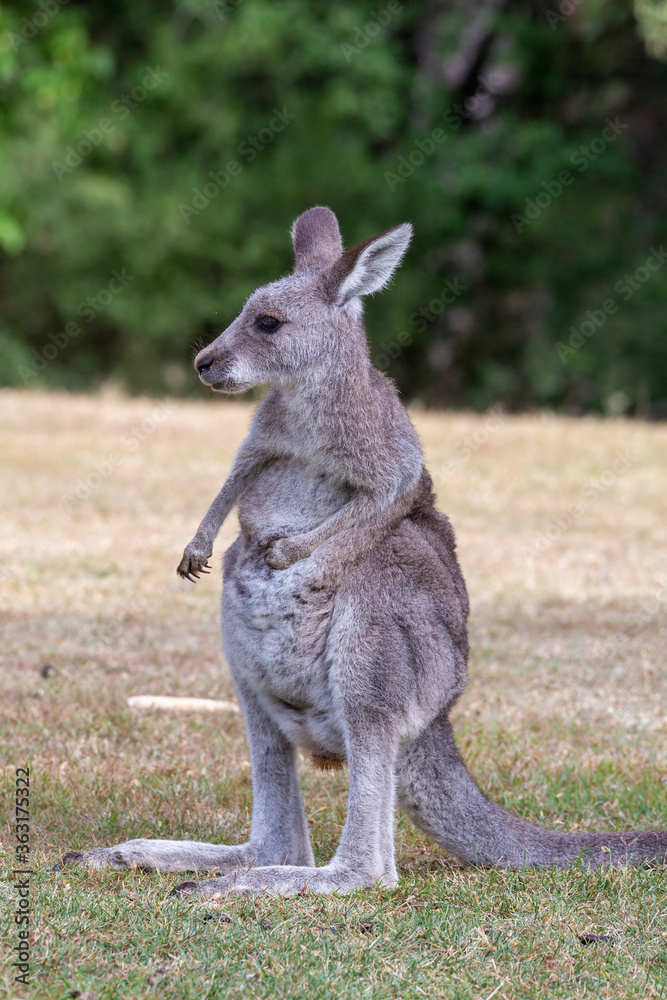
x,y
203,364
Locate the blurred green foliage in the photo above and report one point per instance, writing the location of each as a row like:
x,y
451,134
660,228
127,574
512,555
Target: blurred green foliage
x,y
153,157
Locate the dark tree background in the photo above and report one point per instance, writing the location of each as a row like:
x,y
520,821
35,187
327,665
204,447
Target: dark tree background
x,y
153,157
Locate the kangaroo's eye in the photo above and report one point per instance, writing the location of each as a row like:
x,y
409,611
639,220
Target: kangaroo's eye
x,y
268,323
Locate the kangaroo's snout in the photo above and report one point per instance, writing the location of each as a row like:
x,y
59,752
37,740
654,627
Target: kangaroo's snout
x,y
212,366
203,364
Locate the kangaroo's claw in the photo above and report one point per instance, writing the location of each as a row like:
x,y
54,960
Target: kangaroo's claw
x,y
194,562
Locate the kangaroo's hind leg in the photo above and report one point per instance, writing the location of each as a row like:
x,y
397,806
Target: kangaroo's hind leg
x,y
365,854
278,835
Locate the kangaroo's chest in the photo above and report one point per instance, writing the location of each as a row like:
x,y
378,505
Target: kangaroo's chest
x,y
292,496
275,630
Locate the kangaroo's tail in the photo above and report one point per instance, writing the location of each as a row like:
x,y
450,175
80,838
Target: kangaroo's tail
x,y
440,797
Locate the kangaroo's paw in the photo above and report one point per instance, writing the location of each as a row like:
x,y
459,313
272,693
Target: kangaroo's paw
x,y
326,568
162,856
195,561
265,536
284,552
283,880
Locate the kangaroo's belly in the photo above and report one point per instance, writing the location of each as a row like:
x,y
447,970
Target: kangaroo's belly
x,y
275,629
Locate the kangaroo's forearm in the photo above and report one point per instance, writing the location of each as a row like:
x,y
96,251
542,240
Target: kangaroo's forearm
x,y
363,517
245,471
349,534
219,511
247,467
356,515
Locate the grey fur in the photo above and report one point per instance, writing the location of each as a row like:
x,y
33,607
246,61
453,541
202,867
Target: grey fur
x,y
344,611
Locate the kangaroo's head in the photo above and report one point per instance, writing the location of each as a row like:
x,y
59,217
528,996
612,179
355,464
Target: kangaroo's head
x,y
296,326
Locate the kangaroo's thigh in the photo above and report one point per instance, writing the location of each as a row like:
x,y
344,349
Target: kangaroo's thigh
x,y
400,611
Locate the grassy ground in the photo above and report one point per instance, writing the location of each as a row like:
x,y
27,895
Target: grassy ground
x,y
562,537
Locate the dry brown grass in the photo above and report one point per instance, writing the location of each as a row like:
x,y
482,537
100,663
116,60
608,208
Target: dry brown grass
x,y
565,714
90,586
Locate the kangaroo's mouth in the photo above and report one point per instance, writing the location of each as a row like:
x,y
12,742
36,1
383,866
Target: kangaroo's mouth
x,y
227,385
224,385
217,377
217,373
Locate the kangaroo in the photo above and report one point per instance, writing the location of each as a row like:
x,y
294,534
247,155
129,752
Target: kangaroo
x,y
344,610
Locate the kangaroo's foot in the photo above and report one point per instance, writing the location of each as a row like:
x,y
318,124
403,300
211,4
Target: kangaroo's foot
x,y
286,880
166,856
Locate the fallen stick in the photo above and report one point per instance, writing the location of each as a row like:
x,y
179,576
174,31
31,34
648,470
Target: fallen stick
x,y
181,704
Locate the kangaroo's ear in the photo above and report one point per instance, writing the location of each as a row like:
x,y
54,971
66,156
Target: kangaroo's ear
x,y
316,239
368,267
